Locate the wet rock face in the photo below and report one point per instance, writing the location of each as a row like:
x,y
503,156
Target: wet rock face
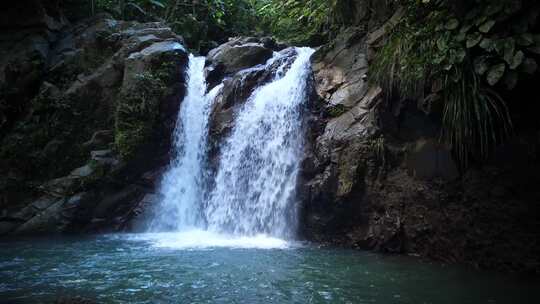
x,y
345,127
26,38
237,88
236,55
78,158
375,175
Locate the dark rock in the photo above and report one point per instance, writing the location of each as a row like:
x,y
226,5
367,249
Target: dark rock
x,y
144,212
236,55
83,171
430,160
74,77
236,91
376,176
52,147
100,139
142,61
239,57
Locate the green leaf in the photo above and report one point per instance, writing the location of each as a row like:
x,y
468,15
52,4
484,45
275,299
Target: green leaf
x,y
487,44
473,39
461,37
480,65
525,39
496,73
486,27
480,20
460,55
500,46
157,3
464,29
438,59
509,49
452,24
517,60
442,44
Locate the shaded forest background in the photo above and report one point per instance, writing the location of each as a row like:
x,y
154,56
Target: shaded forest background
x,y
469,57
467,54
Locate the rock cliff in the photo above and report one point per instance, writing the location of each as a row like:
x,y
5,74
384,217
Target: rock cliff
x,y
87,115
377,177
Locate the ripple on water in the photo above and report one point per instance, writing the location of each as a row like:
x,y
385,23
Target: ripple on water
x,y
144,272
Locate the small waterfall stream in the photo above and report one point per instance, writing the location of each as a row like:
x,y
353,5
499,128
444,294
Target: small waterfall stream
x,y
259,163
254,187
182,185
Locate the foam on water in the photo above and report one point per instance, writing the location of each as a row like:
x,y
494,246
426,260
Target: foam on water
x,y
202,239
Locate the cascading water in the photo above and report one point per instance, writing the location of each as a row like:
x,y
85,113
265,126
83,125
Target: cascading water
x,y
182,185
256,179
254,187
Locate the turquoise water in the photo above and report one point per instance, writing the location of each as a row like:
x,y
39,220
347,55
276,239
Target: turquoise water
x,y
182,269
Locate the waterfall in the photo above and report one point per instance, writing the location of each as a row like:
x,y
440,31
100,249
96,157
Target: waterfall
x,y
256,179
253,189
183,184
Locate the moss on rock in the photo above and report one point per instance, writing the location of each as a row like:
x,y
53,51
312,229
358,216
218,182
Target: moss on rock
x,y
136,113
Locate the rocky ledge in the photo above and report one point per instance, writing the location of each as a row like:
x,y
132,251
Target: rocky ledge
x,y
89,109
377,177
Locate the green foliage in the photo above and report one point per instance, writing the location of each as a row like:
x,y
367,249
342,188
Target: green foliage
x,y
336,111
198,21
465,58
136,113
475,117
378,147
50,120
298,21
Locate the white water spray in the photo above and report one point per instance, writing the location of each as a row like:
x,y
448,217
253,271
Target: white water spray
x,y
182,186
254,189
256,181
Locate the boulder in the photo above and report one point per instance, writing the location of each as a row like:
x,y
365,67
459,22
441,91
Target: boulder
x,y
239,57
236,55
100,139
57,217
341,71
140,62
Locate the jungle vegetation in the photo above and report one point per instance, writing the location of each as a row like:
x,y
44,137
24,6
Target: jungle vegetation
x,y
463,53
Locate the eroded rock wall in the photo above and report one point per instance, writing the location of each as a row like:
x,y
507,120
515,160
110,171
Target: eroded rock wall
x,y
377,177
88,110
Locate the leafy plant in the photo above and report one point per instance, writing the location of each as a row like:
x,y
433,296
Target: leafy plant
x,y
466,59
299,21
